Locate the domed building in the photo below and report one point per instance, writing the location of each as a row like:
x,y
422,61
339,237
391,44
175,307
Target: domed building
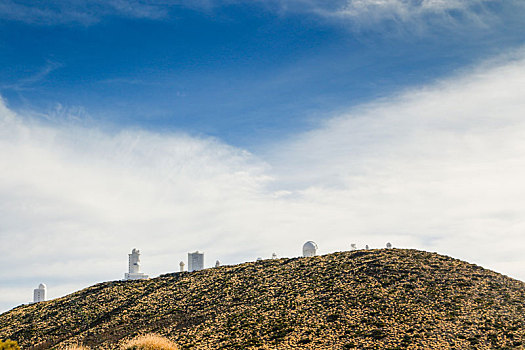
x,y
310,249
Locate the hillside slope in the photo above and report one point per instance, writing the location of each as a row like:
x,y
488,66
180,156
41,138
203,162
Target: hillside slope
x,y
374,299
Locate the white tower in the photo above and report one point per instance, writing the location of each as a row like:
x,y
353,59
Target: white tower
x,y
134,267
39,294
310,249
181,264
195,261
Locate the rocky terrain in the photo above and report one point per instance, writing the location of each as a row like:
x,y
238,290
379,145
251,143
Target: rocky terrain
x,y
373,299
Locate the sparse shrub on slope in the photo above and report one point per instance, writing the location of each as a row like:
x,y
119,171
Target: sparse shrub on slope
x,y
9,345
150,342
76,347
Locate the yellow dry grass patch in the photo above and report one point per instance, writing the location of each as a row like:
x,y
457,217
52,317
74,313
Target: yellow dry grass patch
x,y
150,342
76,347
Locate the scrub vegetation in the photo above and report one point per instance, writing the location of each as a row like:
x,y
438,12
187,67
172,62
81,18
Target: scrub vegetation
x,y
365,299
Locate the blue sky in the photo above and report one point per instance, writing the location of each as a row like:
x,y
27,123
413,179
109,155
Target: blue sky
x,y
243,128
245,73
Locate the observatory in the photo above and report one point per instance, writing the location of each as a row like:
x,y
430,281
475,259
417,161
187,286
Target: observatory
x,y
310,249
134,267
39,294
181,265
389,245
195,261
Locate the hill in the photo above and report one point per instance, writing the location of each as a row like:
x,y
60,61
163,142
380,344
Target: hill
x,y
367,299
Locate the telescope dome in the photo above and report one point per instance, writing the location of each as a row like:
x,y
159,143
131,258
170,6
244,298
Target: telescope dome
x,y
310,249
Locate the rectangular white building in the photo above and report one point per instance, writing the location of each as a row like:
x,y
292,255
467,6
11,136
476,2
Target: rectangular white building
x,y
195,261
39,294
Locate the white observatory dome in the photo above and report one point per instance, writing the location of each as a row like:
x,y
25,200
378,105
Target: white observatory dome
x,y
42,286
310,249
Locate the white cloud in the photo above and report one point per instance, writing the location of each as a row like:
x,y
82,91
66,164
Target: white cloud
x,y
75,200
437,168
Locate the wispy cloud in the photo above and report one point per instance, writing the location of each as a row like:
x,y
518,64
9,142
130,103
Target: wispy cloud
x,y
85,12
401,17
360,14
439,168
403,10
25,83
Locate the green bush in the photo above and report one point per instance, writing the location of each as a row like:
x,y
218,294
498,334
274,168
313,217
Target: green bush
x,y
9,345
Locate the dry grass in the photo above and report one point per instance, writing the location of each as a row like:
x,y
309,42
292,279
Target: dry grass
x,y
150,342
76,347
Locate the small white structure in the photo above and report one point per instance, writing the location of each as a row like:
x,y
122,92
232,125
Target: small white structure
x,y
134,267
181,264
389,245
353,246
39,294
195,261
217,263
309,249
274,256
367,247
